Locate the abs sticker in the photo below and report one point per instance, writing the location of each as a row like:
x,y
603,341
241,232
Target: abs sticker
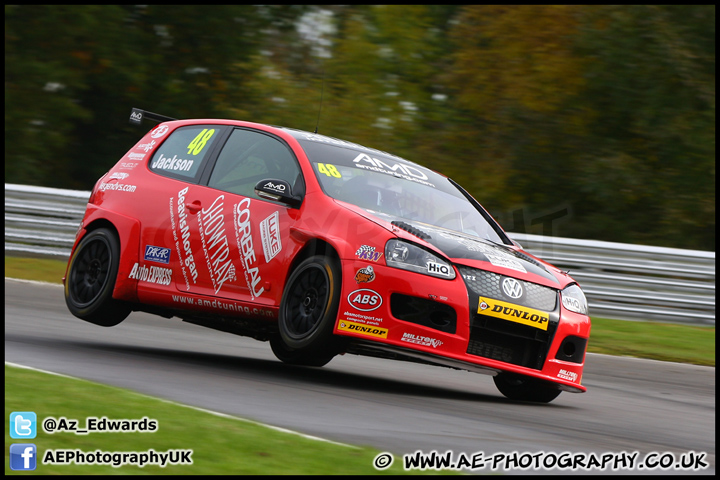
x,y
514,313
348,326
365,300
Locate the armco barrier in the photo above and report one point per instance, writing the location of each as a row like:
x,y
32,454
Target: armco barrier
x,y
624,281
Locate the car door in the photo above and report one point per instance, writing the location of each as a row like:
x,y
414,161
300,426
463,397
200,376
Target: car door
x,y
167,249
242,245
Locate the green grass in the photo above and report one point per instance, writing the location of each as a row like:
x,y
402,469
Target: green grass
x,y
220,445
659,341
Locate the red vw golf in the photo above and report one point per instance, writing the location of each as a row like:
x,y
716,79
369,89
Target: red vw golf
x,y
322,247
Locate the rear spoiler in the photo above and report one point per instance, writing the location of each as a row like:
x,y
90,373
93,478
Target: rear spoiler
x,y
137,115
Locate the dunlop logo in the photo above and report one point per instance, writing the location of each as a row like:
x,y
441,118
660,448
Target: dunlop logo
x,y
514,313
348,326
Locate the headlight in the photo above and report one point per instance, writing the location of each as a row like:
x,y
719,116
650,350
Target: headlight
x,y
407,256
574,299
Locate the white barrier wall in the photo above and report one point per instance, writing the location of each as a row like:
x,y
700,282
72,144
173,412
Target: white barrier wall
x,y
623,281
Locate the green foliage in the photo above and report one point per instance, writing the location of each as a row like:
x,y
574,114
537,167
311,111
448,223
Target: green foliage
x,y
606,110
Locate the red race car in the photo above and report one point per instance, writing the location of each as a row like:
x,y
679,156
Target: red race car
x,y
321,247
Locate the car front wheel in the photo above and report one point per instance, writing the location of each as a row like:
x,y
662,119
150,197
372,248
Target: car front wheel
x,y
308,310
517,387
91,279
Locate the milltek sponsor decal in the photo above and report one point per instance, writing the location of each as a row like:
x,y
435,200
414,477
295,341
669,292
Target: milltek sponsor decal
x,y
172,164
420,340
157,254
348,326
159,275
514,313
567,375
365,300
270,236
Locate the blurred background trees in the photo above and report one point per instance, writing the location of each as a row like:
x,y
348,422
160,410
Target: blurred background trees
x,y
604,112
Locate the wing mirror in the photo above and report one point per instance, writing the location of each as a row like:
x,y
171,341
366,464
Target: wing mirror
x,y
277,190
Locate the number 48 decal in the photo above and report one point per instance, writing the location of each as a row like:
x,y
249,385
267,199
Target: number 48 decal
x,y
199,142
329,170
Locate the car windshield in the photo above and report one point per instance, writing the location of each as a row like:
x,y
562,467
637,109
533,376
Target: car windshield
x,y
393,188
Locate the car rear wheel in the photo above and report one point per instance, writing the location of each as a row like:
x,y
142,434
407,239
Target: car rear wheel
x,y
91,279
308,310
517,387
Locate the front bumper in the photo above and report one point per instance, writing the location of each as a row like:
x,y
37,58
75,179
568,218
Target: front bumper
x,y
441,322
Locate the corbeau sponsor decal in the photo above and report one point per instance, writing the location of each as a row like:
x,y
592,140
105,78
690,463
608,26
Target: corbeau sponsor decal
x,y
159,275
366,252
157,254
243,236
348,326
420,340
365,300
211,224
270,236
365,275
514,313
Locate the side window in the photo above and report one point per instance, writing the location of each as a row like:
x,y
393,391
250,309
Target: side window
x,y
249,157
181,155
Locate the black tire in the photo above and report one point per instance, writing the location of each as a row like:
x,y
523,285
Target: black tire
x,y
309,307
526,389
91,279
297,357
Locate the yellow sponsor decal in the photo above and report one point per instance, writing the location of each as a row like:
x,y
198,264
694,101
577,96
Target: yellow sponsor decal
x,y
348,326
514,313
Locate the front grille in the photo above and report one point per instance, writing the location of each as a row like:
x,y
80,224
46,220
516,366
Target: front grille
x,y
489,284
510,342
505,340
